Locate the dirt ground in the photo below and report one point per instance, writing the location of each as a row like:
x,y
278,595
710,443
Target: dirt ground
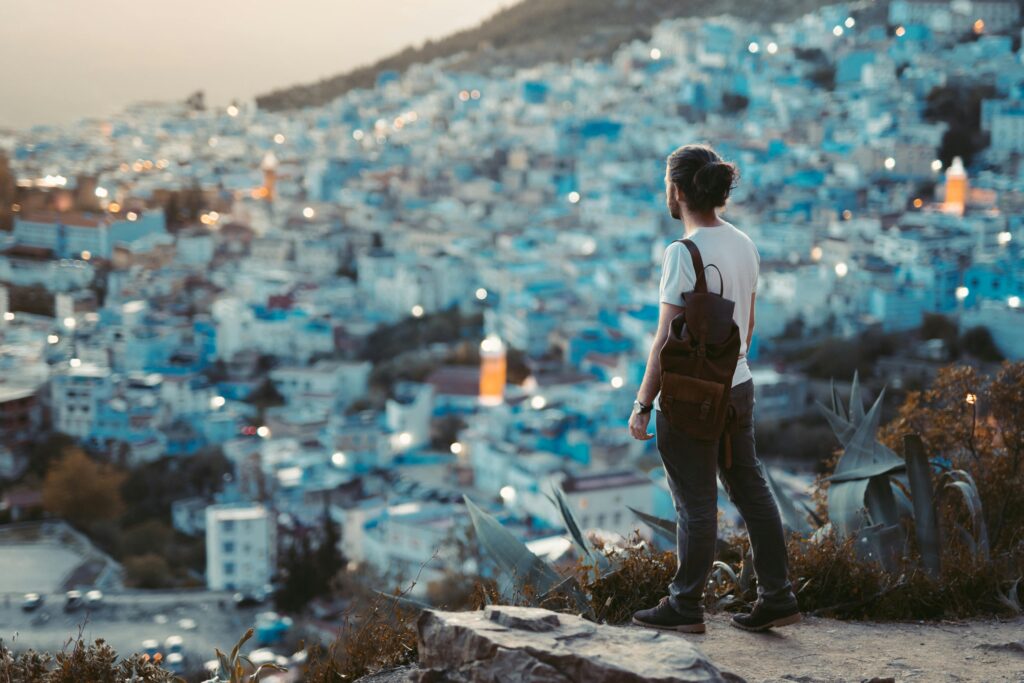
x,y
829,651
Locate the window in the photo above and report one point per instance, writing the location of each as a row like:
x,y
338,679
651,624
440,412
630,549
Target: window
x,y
229,547
229,525
229,567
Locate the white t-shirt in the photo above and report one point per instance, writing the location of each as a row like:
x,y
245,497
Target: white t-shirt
x,y
736,257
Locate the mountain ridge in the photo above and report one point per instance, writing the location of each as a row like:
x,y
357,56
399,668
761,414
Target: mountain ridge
x,y
532,32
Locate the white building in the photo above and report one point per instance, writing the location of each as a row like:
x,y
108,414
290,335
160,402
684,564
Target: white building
x,y
76,393
326,383
409,413
240,547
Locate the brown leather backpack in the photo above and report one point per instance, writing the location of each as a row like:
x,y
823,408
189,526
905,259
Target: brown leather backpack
x,y
698,361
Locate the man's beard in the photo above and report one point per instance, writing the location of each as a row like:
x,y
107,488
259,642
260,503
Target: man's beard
x,y
673,209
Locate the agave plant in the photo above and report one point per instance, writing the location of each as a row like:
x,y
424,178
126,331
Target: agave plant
x,y
868,492
529,577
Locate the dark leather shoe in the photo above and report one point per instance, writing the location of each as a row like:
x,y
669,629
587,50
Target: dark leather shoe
x,y
762,618
665,616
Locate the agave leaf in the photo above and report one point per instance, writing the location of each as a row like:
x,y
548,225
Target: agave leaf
x,y
238,646
222,659
573,528
791,517
721,567
665,527
964,483
570,587
845,503
880,501
511,554
837,403
841,427
725,601
818,521
926,527
856,403
403,601
885,544
269,667
903,502
864,457
747,570
1011,598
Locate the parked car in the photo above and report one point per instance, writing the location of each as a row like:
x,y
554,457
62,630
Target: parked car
x,y
151,646
94,598
250,598
174,644
32,602
72,601
175,663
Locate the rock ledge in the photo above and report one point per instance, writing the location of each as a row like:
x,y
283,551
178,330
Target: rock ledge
x,y
504,643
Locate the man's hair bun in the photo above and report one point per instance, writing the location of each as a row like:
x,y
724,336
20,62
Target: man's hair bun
x,y
704,177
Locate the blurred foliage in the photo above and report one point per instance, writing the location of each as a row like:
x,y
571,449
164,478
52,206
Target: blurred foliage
x,y
84,662
82,490
35,299
959,106
147,571
309,569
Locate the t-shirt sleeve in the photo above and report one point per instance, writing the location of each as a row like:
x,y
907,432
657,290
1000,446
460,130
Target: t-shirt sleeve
x,y
757,268
676,274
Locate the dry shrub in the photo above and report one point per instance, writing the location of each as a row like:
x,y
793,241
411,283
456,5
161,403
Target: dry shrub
x,y
377,636
639,579
79,661
831,580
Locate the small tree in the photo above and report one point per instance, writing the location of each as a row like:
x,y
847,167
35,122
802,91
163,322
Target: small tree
x,y
81,490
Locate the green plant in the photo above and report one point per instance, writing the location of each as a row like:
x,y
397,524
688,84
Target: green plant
x,y
530,579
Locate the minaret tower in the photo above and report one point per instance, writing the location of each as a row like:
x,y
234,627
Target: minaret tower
x,y
956,188
269,168
493,363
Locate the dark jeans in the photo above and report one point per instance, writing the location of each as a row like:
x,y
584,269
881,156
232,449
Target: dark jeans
x,y
691,465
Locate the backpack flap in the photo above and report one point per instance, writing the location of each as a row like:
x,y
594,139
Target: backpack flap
x,y
693,405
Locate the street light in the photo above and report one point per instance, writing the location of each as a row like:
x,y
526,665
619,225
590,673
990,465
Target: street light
x,y
972,400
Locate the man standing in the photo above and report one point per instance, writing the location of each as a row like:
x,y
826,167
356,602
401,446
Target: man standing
x,y
697,183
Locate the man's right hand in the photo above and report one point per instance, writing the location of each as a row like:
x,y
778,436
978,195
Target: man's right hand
x,y
638,425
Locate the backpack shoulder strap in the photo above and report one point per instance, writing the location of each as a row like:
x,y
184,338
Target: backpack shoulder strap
x,y
701,284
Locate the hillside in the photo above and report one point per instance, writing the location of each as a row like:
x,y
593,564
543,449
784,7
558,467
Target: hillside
x,y
536,31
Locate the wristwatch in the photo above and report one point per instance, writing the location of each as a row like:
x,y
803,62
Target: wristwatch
x,y
641,407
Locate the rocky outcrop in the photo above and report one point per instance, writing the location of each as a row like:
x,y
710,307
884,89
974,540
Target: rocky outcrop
x,y
504,643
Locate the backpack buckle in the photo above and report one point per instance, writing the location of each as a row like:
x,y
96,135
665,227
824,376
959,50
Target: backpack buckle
x,y
705,408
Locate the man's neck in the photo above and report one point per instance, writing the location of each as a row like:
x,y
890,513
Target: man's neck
x,y
692,223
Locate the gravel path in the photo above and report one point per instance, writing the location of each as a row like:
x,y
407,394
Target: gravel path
x,y
829,651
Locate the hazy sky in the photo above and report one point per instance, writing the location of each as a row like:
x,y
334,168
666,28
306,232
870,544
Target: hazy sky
x,y
64,59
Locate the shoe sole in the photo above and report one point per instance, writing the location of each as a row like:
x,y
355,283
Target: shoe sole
x,y
682,628
781,621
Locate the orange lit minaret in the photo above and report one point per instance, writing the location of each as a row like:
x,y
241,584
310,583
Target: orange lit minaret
x,y
269,167
492,371
956,188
